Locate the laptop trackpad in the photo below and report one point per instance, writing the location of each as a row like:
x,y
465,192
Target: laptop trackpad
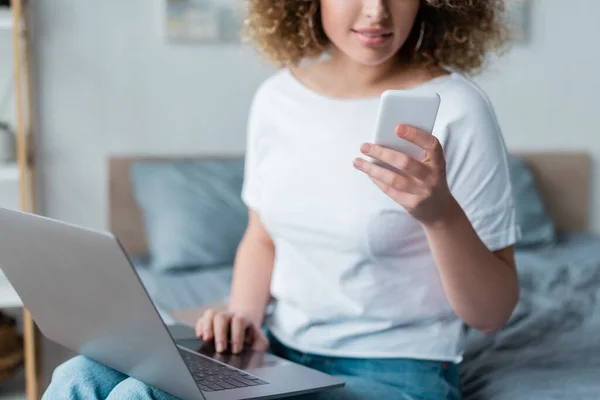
x,y
185,337
247,360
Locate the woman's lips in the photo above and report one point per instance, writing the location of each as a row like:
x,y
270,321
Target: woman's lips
x,y
373,37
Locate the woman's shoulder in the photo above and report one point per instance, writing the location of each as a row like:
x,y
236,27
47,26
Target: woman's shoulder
x,y
466,111
265,94
298,81
463,96
284,87
282,81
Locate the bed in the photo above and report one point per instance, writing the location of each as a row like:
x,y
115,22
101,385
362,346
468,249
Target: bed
x,y
172,292
550,349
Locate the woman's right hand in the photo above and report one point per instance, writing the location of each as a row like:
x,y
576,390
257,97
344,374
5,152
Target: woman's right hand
x,y
235,328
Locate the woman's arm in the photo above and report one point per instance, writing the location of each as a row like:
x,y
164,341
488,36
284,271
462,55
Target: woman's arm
x,y
482,287
250,293
250,290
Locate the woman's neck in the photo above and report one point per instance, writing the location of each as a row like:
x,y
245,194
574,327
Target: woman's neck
x,y
341,77
359,75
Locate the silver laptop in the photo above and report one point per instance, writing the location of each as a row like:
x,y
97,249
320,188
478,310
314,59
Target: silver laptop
x,y
83,293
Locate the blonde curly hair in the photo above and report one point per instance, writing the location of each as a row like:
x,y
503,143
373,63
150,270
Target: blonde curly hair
x,y
457,34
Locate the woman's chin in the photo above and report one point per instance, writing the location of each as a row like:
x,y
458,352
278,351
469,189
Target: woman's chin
x,y
372,58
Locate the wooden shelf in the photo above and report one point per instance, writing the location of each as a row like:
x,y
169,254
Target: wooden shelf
x,y
9,173
8,297
22,67
6,19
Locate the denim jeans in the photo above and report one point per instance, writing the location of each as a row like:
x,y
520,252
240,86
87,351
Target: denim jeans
x,y
83,379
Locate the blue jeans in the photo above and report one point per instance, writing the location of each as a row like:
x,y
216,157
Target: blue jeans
x,y
83,379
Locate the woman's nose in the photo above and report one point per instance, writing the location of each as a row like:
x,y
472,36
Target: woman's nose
x,y
375,10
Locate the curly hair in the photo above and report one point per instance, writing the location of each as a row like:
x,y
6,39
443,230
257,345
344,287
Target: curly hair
x,y
457,34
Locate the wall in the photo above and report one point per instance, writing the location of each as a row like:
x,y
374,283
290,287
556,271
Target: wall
x,y
546,91
7,109
8,187
108,84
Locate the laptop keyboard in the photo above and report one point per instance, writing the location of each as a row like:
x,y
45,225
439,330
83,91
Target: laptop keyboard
x,y
211,376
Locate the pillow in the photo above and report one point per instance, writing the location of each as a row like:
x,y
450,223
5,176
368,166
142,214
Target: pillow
x,y
537,229
192,210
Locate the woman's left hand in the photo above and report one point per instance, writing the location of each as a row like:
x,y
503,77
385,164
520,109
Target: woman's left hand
x,y
421,188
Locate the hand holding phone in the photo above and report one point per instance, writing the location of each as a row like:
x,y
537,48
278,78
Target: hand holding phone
x,y
408,108
415,182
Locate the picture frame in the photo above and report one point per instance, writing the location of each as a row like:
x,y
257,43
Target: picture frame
x,y
202,21
518,15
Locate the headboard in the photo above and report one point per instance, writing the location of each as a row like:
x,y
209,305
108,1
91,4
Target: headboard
x,y
124,216
563,178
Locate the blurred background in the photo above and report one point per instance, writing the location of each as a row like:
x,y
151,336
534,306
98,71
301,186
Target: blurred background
x,y
170,77
107,80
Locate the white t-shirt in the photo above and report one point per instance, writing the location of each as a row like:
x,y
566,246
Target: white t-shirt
x,y
353,274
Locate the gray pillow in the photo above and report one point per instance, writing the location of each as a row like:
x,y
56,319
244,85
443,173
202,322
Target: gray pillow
x,y
193,212
537,229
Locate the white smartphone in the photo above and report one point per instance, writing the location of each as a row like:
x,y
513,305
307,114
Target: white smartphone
x,y
403,107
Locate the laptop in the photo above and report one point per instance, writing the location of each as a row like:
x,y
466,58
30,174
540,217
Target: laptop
x,y
83,292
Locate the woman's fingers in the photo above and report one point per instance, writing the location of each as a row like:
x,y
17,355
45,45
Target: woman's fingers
x,y
397,160
207,325
389,178
239,325
416,136
424,140
221,323
199,328
230,328
401,198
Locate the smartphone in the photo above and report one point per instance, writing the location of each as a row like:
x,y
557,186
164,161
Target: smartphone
x,y
404,107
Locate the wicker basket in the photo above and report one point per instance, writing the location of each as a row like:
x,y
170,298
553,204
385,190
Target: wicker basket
x,y
11,347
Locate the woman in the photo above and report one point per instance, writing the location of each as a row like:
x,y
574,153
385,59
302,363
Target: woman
x,y
373,274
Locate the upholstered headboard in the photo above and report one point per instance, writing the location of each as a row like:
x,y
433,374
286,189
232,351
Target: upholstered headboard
x,y
125,217
563,178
